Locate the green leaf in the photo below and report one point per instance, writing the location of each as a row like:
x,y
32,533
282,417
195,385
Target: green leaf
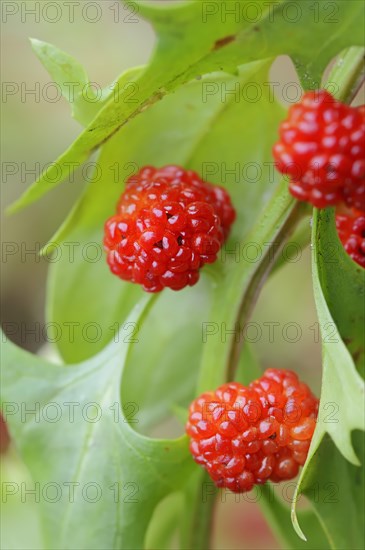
x,y
191,41
335,489
72,79
277,514
341,383
78,439
192,133
335,279
303,31
74,82
171,338
100,302
197,135
65,165
342,284
15,509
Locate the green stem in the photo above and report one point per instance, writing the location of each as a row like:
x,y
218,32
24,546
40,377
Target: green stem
x,y
292,215
197,528
301,239
238,291
347,74
202,531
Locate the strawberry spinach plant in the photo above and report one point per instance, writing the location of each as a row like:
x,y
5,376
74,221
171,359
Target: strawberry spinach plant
x,y
150,355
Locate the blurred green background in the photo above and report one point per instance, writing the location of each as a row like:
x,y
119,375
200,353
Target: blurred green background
x,y
35,130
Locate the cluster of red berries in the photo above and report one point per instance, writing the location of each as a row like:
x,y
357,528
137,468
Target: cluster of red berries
x,y
168,224
351,230
322,150
247,435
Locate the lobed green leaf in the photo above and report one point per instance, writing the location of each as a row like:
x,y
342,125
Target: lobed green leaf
x,y
197,38
336,283
100,495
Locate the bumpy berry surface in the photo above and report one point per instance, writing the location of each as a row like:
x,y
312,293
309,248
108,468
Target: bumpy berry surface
x,y
351,230
247,435
169,223
322,150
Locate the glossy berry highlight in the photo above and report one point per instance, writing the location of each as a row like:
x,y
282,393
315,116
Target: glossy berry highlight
x,y
322,150
168,224
247,435
351,230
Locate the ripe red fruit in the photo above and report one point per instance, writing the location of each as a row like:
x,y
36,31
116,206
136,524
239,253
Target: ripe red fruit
x,y
247,435
169,223
351,230
322,150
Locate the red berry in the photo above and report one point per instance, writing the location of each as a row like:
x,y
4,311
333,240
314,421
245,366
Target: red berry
x,y
351,230
237,436
322,150
169,223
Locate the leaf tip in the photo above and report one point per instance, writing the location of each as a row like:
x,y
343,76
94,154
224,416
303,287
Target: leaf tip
x,y
344,445
295,523
350,455
36,43
13,208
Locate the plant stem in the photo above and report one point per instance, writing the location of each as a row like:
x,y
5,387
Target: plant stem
x,y
301,237
294,213
202,524
347,74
